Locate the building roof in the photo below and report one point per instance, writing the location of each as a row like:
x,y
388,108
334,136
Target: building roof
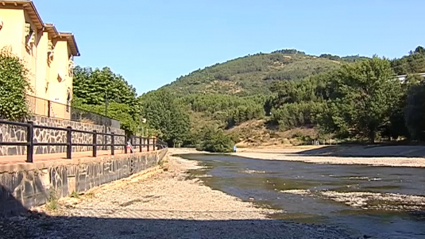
x,y
69,37
28,6
403,77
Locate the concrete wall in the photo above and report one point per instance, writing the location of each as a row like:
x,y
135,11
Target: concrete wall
x,y
29,185
18,134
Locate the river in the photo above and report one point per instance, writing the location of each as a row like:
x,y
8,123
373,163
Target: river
x,y
299,189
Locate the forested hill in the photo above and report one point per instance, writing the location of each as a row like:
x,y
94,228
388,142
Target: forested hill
x,y
267,98
252,74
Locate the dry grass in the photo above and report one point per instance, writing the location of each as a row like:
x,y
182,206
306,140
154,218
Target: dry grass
x,y
256,133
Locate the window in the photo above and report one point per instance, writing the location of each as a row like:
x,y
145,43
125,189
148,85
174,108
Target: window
x,y
29,35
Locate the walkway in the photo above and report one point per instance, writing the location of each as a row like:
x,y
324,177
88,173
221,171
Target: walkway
x,y
38,158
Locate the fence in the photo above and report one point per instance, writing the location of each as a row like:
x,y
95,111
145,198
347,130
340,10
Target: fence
x,y
139,142
52,109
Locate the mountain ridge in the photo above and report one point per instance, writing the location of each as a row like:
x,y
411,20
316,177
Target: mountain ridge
x,y
253,73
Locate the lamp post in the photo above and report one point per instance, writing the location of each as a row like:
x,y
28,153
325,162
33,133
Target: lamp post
x,y
104,121
106,102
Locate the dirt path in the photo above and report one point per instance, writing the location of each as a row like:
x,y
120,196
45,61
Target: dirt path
x,y
164,205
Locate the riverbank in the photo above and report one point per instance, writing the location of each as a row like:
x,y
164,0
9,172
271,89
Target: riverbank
x,y
163,204
395,156
353,157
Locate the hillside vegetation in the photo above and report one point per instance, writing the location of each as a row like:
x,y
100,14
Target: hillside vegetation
x,y
253,74
284,97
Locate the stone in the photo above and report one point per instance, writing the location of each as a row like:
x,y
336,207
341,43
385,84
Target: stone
x,y
28,191
12,150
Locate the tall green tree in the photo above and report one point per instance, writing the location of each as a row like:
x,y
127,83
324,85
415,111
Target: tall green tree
x,y
94,87
414,111
398,126
106,93
364,95
165,114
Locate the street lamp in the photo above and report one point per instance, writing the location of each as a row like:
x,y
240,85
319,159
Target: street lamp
x,y
105,125
143,120
106,102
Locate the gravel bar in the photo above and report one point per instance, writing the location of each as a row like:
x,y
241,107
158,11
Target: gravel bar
x,y
161,204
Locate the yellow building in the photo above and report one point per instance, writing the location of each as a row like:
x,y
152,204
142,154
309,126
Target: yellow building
x,y
47,54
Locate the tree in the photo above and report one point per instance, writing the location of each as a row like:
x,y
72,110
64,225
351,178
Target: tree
x,y
93,89
13,87
420,50
166,115
398,126
364,94
415,111
213,139
412,63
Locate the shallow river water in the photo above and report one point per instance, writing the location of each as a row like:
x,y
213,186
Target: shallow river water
x,y
277,184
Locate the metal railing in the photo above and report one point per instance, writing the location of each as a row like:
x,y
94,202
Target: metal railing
x,y
56,110
30,126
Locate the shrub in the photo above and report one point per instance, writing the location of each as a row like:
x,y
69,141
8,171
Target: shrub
x,y
215,140
13,87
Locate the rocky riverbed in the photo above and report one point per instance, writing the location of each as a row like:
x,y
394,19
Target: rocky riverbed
x,y
162,204
369,200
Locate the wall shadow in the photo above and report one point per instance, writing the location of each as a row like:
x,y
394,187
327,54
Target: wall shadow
x,y
10,208
9,205
410,151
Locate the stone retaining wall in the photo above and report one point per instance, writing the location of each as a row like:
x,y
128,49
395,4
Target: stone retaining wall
x,y
25,187
10,133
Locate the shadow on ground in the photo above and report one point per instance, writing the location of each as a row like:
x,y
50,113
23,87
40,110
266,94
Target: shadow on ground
x,y
10,207
22,223
366,151
85,227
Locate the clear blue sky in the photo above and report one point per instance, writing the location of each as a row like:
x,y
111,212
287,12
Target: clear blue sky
x,y
152,42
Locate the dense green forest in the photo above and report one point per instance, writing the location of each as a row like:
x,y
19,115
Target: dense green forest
x,y
351,97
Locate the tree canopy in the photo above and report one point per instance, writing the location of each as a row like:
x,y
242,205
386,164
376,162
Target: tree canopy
x,y
364,95
165,114
93,89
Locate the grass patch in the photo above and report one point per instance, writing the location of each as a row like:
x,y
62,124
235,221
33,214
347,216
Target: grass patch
x,y
74,194
52,203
